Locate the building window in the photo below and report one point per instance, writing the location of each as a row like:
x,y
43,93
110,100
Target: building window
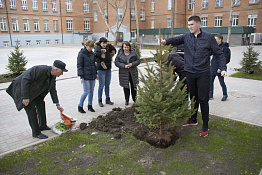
x,y
218,21
168,22
26,24
86,7
191,4
235,20
38,42
56,41
219,3
152,5
47,42
54,7
68,6
28,43
1,4
24,4
169,4
152,23
133,15
6,43
120,13
12,4
142,0
252,20
34,5
205,4
236,2
95,16
36,25
46,25
15,24
44,5
253,1
3,24
69,25
86,25
142,14
204,22
55,24
133,34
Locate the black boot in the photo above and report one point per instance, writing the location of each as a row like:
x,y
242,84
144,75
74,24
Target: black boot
x,y
108,101
100,103
90,108
81,110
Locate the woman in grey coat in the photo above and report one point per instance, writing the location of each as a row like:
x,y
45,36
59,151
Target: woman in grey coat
x,y
127,61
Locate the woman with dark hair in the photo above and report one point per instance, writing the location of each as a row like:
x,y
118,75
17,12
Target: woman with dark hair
x,y
127,61
104,53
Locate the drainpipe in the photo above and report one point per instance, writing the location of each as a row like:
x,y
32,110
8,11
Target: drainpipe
x,y
8,24
185,14
61,22
130,22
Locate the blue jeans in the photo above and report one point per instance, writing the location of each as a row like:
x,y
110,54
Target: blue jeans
x,y
221,81
104,81
88,87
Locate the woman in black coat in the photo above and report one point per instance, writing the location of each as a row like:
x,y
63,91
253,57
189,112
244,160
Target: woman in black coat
x,y
127,61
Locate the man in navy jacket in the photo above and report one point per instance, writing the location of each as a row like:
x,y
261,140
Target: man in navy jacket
x,y
199,46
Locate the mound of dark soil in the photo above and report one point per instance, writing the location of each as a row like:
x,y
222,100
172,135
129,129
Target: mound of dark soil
x,y
123,122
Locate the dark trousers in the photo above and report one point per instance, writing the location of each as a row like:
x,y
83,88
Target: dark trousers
x,y
198,86
133,90
221,81
36,114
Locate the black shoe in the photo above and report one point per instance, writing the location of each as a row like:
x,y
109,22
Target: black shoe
x,y
224,98
100,103
126,103
81,110
90,108
108,101
41,136
44,128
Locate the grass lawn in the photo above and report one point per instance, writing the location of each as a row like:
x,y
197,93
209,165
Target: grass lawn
x,y
7,78
254,76
231,148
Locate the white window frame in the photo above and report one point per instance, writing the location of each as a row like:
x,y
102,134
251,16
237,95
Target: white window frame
x,y
68,5
34,5
120,13
219,3
26,24
169,23
152,5
143,0
15,26
36,25
95,16
1,4
69,25
218,21
47,42
152,23
252,20
85,7
87,25
24,4
253,1
133,34
3,24
38,42
54,6
55,25
6,43
205,4
142,14
169,4
236,2
46,25
44,5
133,14
28,43
12,4
191,4
235,19
56,41
204,22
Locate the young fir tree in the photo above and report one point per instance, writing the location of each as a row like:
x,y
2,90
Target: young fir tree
x,y
160,101
250,62
16,61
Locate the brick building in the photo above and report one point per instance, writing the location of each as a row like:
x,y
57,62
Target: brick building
x,y
41,22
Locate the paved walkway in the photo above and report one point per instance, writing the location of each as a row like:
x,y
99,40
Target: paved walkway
x,y
244,102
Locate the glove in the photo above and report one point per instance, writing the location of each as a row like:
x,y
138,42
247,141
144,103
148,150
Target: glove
x,y
103,65
103,55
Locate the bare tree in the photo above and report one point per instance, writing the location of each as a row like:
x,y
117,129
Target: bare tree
x,y
118,21
230,21
137,22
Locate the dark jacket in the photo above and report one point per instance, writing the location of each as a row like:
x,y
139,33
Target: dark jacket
x,y
107,59
86,67
36,81
198,51
121,61
177,61
214,62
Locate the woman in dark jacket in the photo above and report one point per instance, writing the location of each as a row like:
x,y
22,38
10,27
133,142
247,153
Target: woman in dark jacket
x,y
104,53
127,61
86,69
